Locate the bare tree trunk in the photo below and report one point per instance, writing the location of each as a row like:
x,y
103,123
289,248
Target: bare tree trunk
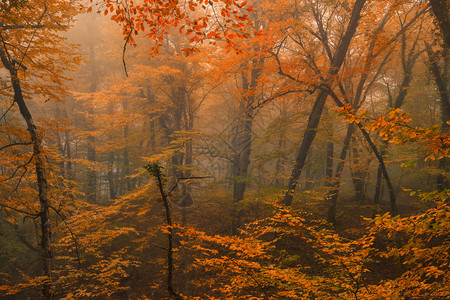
x,y
242,142
155,170
329,162
186,197
330,156
126,164
241,160
279,179
278,165
310,177
110,176
314,118
308,138
39,161
441,79
441,10
332,195
408,61
91,185
392,197
151,126
358,177
378,184
179,105
377,196
68,170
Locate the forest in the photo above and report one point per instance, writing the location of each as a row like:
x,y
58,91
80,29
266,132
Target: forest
x,y
224,149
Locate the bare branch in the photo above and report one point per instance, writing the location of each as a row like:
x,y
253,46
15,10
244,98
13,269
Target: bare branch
x,y
15,144
74,237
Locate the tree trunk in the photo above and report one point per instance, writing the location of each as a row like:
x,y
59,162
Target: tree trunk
x,y
186,197
110,176
358,176
126,164
241,160
441,79
366,135
179,105
309,181
329,159
408,61
279,181
377,196
91,185
41,177
242,141
441,10
332,195
314,118
392,197
329,163
379,183
308,138
68,170
155,170
329,151
278,165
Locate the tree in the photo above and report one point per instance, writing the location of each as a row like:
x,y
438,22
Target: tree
x,y
369,76
397,97
313,121
233,108
35,56
440,10
441,75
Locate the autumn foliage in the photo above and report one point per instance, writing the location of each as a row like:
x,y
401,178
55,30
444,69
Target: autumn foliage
x,y
224,149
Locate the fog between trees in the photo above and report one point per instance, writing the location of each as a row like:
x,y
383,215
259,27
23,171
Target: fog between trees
x,y
224,150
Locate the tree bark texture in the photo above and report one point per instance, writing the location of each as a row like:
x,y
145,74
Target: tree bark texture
x,y
441,10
